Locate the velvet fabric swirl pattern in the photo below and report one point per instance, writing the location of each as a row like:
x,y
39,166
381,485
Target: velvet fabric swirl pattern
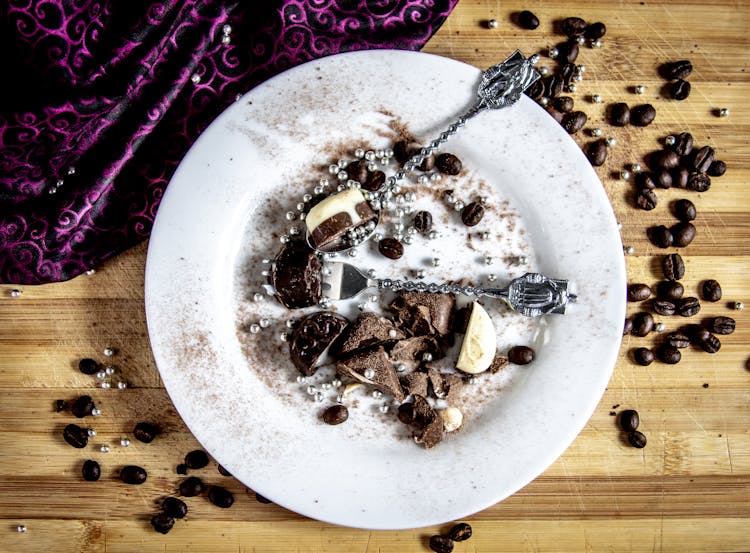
x,y
104,98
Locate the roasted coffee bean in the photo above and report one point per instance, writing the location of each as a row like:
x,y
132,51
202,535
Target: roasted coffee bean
x,y
646,199
174,507
574,121
685,210
91,471
520,355
556,115
677,340
162,523
663,179
528,20
722,325
60,405
665,159
670,290
402,151
596,30
145,432
596,152
460,532
680,176
391,248
553,85
683,233
709,343
357,170
627,327
573,27
645,180
448,164
643,323
637,439
638,292
643,115
643,356
673,266
567,71
668,354
697,334
717,168
711,290
441,544
82,406
423,221
687,307
629,420
660,236
88,366
192,486
374,181
564,104
568,51
221,497
679,89
181,469
683,144
428,163
699,182
536,90
677,69
261,499
335,414
76,436
619,115
133,474
472,214
223,471
663,307
196,459
702,159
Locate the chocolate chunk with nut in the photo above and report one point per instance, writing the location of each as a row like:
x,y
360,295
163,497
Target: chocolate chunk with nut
x,y
312,336
297,275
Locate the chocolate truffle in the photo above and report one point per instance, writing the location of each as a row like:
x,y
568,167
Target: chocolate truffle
x,y
297,275
312,336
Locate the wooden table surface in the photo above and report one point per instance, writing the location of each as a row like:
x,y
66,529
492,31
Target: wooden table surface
x,y
687,490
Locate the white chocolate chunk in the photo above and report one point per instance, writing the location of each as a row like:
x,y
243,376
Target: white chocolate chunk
x,y
343,202
453,418
480,342
349,388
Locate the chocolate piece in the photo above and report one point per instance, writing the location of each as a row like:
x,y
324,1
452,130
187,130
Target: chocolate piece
x,y
410,352
424,312
297,275
368,330
330,220
377,366
311,336
429,425
415,384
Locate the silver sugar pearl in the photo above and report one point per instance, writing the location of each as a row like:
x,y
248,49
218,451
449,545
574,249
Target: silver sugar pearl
x,y
109,370
291,215
596,98
458,206
362,307
311,390
534,59
90,272
580,68
488,260
105,385
15,293
226,39
254,328
91,432
572,87
95,412
420,273
581,40
301,379
319,397
342,175
342,163
596,132
543,71
408,239
325,386
624,174
264,323
544,100
333,168
739,306
284,240
629,250
611,142
373,298
257,296
435,177
195,78
393,333
554,52
340,398
596,43
427,356
724,112
124,442
522,260
492,24
369,374
122,385
577,77
226,29
104,448
484,235
359,153
283,336
640,89
370,155
294,231
636,168
423,179
377,394
384,408
491,278
335,383
435,261
660,327
21,529
432,235
352,253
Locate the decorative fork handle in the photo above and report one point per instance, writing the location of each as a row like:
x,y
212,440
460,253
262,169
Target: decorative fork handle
x,y
411,286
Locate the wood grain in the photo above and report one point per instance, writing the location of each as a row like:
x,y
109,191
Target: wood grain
x,y
688,490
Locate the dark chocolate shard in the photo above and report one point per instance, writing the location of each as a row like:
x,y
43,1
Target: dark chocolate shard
x,y
410,352
297,275
366,331
424,312
312,336
415,384
372,367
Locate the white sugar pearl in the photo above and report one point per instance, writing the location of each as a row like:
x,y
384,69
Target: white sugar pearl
x,y
553,53
629,250
596,98
109,371
125,442
21,529
640,89
596,132
660,327
95,412
122,385
15,293
104,449
384,408
724,112
195,78
91,432
369,374
105,385
492,24
611,141
739,306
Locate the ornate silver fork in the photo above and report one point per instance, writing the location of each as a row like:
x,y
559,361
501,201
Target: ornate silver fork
x,y
532,294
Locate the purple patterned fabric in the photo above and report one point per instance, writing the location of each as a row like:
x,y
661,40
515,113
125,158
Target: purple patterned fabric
x,y
103,98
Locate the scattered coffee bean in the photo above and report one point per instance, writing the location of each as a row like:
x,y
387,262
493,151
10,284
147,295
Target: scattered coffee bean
x,y
627,327
196,459
595,30
174,507
162,523
637,439
145,432
472,214
76,436
685,210
663,178
643,323
82,407
643,115
717,168
619,115
192,486
677,340
680,177
683,233
596,152
574,121
261,499
697,334
573,27
643,356
133,474
402,151
663,307
699,182
677,69
702,159
536,90
564,104
460,532
357,170
391,248
181,469
646,199
423,221
673,266
722,325
441,544
645,180
223,471
709,343
568,51
660,236
665,159
528,20
679,89
683,144
335,414
669,290
520,355
221,497
60,405
88,366
374,181
668,354
91,471
448,164
638,292
556,115
629,420
687,307
553,85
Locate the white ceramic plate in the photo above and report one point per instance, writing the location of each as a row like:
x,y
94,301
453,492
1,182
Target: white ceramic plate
x,y
224,210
